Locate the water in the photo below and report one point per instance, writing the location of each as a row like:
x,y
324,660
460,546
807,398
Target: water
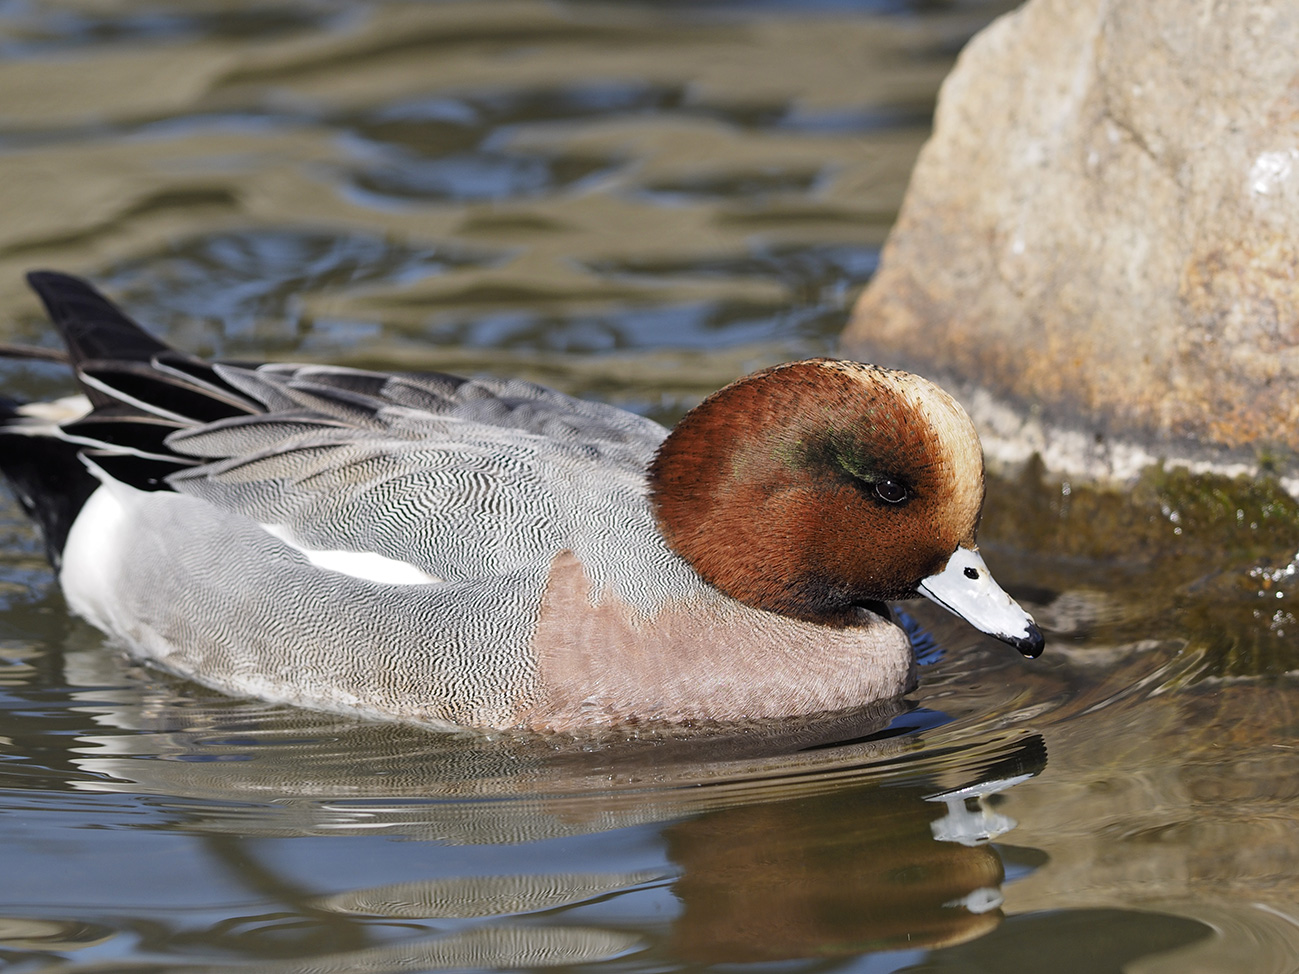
x,y
636,202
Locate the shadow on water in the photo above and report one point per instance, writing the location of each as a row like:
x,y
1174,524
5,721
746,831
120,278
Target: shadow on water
x,y
638,202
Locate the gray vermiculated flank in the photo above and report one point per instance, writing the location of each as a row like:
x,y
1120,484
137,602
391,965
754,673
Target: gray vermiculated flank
x,y
478,483
481,896
493,947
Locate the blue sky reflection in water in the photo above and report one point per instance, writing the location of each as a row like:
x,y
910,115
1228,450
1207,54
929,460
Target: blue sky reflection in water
x,y
639,202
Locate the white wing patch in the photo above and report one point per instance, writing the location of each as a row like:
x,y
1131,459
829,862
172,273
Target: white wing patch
x,y
365,565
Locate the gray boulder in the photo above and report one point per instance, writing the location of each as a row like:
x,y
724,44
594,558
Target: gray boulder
x,y
1100,243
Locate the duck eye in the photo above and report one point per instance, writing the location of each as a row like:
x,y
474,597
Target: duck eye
x,y
890,491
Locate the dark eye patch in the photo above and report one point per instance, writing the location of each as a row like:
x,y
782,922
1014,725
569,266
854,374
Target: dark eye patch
x,y
846,462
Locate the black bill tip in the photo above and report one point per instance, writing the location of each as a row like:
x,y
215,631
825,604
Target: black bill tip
x,y
1031,644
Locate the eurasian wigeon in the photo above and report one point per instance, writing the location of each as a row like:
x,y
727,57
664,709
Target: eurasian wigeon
x,y
492,553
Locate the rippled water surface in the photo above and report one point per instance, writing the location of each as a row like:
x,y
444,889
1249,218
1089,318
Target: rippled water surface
x,y
636,202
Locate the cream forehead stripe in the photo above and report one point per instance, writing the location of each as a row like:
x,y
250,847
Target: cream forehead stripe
x,y
958,441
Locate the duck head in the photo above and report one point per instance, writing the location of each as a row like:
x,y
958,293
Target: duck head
x,y
816,488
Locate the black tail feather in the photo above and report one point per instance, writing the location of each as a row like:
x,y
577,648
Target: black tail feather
x,y
155,390
140,390
51,483
92,327
126,429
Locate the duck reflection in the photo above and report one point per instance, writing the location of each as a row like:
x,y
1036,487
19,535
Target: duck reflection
x,y
834,874
480,896
847,872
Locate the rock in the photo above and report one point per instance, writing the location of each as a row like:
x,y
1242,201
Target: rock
x,y
1100,241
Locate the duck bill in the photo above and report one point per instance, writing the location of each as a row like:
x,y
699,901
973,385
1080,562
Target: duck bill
x,y
966,588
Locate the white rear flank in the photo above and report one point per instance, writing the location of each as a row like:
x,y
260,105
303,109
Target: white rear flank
x,y
91,556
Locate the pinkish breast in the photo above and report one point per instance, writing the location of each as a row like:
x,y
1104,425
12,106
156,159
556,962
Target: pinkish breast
x,y
702,659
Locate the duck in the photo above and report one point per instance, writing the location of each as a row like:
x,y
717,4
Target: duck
x,y
491,553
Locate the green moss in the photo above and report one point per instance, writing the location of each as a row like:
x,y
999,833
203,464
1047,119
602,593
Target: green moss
x,y
1202,557
1167,514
